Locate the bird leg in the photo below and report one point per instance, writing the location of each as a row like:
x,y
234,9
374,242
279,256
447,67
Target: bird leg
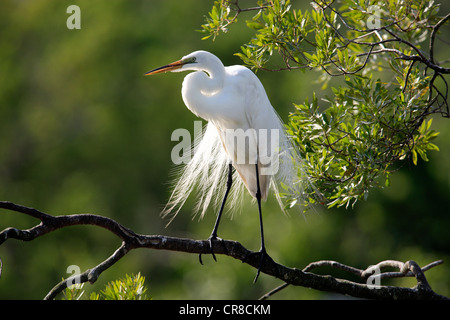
x,y
262,252
213,235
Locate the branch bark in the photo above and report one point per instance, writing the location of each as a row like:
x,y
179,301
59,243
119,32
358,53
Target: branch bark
x,y
292,276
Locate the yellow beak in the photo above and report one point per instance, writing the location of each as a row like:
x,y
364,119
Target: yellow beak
x,y
167,68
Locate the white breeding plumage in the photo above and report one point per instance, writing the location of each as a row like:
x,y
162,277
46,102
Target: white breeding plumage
x,y
243,132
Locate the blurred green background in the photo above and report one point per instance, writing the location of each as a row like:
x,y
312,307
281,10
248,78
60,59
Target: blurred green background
x,y
83,131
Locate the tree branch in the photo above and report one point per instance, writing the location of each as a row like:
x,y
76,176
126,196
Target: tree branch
x,y
131,240
433,35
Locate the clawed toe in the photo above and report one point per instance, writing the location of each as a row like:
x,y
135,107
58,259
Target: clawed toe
x,y
263,256
211,240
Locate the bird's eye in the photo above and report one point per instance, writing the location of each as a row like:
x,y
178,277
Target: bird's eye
x,y
194,59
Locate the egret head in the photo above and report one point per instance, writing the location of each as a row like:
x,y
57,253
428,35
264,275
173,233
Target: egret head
x,y
197,60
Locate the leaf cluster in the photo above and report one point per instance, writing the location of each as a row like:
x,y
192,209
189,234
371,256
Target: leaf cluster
x,y
129,288
354,139
356,142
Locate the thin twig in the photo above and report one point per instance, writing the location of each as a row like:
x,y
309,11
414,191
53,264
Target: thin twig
x,y
433,35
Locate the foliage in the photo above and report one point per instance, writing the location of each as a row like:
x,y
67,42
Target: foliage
x,y
73,292
130,288
354,139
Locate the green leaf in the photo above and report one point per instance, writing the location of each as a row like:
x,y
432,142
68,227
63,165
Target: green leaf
x,y
414,157
130,288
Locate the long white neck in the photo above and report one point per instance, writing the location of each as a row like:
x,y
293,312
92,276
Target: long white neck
x,y
199,88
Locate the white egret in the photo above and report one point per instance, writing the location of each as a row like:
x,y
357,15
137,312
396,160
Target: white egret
x,y
243,132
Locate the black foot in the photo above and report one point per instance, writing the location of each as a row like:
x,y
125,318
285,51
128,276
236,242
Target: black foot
x,y
262,253
211,240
